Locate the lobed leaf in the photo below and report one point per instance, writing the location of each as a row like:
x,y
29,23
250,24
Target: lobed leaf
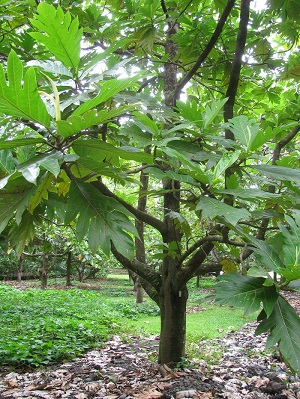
x,y
278,172
77,123
101,150
58,33
19,97
267,253
215,209
14,200
284,326
246,291
244,130
100,218
108,89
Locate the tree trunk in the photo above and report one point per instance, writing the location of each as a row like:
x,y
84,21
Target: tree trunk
x,y
20,265
44,270
69,265
173,324
139,224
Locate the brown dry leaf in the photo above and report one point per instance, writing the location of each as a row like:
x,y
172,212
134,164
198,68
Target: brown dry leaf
x,y
10,392
111,397
11,384
191,393
41,394
148,394
204,395
175,374
93,386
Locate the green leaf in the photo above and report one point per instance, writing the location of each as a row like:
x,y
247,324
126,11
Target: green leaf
x,y
4,144
227,160
211,111
31,173
247,292
262,137
180,222
284,326
244,130
108,89
99,149
278,172
41,192
175,155
20,96
190,111
213,208
291,248
7,161
101,218
22,234
58,33
249,193
77,123
13,200
268,255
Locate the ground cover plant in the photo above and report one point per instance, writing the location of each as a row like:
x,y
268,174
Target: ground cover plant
x,y
40,327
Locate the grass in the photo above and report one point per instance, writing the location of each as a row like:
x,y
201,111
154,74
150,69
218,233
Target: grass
x,y
40,327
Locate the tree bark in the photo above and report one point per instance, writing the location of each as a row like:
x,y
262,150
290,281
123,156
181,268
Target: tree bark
x,y
20,265
139,224
173,323
69,264
44,270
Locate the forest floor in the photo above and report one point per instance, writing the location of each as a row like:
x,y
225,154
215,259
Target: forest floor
x,y
122,369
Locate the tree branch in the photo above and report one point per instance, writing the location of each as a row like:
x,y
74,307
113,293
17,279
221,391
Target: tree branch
x,y
236,64
283,142
140,268
143,216
207,49
188,271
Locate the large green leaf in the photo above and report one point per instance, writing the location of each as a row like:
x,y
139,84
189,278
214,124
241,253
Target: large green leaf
x,y
247,292
291,248
100,150
244,130
284,326
7,162
278,172
21,234
101,218
108,89
58,33
249,193
212,110
20,142
13,200
20,96
227,160
267,253
215,209
76,123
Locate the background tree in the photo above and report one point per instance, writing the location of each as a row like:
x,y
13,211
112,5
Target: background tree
x,y
204,87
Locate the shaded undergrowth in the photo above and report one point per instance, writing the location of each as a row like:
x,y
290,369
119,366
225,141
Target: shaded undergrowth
x,y
41,327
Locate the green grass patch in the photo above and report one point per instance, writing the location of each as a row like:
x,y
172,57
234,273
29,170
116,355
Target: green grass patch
x,y
207,324
40,327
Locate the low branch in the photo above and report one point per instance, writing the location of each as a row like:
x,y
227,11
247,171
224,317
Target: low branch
x,y
141,269
143,216
188,271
